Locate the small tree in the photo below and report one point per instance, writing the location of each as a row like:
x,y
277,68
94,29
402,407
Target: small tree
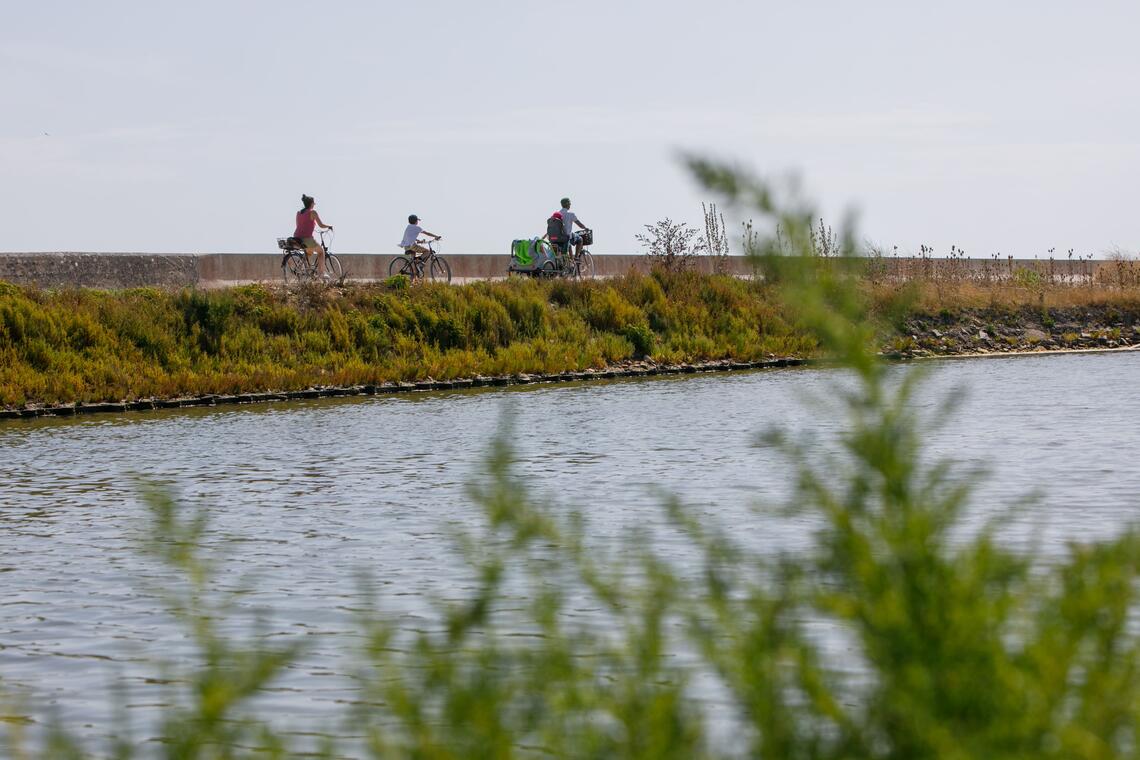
x,y
671,245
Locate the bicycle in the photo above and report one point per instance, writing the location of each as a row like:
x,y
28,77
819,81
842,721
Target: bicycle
x,y
414,267
558,259
570,263
296,265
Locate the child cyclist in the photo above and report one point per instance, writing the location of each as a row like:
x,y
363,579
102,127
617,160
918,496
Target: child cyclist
x,y
411,242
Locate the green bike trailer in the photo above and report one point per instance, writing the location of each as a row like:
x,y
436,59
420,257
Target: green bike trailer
x,y
528,256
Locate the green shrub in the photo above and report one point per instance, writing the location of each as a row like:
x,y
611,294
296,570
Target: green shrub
x,y
609,312
1027,278
642,338
491,324
207,316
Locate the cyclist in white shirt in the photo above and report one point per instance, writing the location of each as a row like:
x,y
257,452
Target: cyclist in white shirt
x,y
569,219
411,241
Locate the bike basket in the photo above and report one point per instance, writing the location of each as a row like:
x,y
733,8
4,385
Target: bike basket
x,y
587,237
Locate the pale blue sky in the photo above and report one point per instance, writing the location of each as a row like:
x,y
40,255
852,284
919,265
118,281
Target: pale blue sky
x,y
1001,127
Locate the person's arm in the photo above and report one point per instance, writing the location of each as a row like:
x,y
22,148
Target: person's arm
x,y
432,234
578,222
317,218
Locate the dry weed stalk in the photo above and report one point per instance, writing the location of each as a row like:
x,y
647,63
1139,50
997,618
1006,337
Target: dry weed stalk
x,y
716,237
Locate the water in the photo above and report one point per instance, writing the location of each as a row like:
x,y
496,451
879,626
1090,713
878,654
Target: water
x,y
304,497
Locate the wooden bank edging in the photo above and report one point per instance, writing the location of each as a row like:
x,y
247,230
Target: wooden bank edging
x,y
383,389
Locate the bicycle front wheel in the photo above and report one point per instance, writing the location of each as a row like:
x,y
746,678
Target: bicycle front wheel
x,y
440,270
333,267
585,265
402,265
294,268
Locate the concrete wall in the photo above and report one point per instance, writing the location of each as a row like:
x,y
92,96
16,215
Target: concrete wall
x,y
219,269
100,270
125,270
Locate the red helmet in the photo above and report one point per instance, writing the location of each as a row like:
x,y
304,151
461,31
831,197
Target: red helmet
x,y
556,215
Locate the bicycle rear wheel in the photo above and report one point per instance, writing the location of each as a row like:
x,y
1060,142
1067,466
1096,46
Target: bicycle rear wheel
x,y
440,270
402,265
294,268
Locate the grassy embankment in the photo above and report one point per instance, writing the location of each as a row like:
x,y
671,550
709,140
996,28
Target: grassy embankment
x,y
83,346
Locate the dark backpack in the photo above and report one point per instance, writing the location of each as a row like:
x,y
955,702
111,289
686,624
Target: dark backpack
x,y
554,230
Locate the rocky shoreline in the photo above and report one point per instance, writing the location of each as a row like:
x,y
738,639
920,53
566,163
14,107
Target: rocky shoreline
x,y
966,332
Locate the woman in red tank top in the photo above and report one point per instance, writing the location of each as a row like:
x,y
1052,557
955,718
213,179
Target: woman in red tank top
x,y
307,220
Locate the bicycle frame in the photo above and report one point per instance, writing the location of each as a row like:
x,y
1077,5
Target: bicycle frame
x,y
569,260
423,260
419,265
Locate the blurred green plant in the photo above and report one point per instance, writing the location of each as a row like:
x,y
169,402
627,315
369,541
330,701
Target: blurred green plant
x,y
953,645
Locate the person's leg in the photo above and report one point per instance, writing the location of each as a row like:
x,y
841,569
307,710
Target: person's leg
x,y
417,253
319,252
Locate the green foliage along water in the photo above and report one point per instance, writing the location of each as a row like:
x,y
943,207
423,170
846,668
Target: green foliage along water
x,y
83,345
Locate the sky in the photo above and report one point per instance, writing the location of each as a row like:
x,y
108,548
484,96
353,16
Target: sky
x,y
998,127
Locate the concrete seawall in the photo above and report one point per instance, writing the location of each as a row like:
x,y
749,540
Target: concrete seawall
x,y
100,270
129,270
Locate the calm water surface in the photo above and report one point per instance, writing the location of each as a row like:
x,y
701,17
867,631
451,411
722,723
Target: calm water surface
x,y
303,497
